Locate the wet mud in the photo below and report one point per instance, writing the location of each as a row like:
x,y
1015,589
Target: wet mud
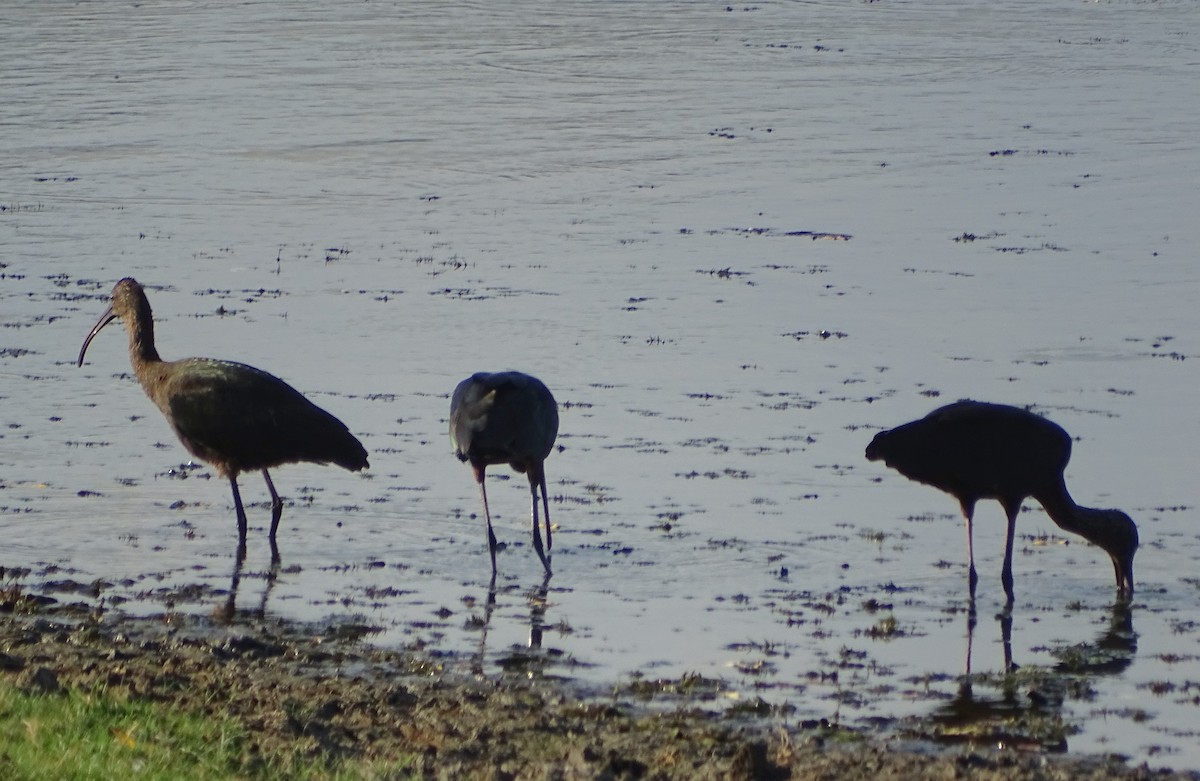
x,y
320,694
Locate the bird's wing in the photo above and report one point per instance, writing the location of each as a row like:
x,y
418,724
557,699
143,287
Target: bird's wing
x,y
238,417
499,417
469,407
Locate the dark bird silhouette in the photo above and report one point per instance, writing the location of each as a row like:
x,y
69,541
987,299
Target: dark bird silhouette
x,y
233,416
974,450
506,418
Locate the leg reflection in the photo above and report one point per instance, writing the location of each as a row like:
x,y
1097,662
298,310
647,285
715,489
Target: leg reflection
x,y
488,608
529,659
227,612
537,612
1006,623
1006,638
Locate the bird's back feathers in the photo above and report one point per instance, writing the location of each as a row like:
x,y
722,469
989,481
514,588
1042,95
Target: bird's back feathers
x,y
506,417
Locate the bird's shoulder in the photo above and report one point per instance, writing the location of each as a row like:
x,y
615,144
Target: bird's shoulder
x,y
972,436
483,390
969,410
226,387
212,374
966,414
483,382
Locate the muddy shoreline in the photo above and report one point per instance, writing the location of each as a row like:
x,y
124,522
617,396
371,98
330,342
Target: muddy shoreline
x,y
324,694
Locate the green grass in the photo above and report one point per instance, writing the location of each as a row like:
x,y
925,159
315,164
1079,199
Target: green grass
x,y
88,736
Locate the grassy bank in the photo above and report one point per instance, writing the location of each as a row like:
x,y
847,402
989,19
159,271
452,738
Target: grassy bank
x,y
71,734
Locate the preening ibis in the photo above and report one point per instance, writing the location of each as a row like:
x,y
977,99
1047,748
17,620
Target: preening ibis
x,y
233,416
975,450
506,418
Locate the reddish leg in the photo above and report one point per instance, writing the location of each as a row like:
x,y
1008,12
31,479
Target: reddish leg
x,y
479,478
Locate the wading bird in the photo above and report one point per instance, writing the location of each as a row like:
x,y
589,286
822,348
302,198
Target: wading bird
x,y
974,450
233,416
506,418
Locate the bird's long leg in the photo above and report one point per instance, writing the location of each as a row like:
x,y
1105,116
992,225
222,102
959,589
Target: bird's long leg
x,y
534,481
545,506
276,506
479,478
1006,576
968,508
241,519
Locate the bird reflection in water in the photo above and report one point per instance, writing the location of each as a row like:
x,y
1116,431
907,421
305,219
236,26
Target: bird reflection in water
x,y
531,659
228,612
537,614
1022,707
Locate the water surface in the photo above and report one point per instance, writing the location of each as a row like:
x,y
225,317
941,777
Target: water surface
x,y
734,240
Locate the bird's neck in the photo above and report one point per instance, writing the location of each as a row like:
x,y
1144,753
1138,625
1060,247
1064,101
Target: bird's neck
x,y
142,352
1091,524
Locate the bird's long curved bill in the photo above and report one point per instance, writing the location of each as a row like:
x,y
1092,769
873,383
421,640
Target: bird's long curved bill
x,y
104,320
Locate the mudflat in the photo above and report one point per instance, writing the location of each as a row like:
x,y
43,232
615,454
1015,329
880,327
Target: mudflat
x,y
324,693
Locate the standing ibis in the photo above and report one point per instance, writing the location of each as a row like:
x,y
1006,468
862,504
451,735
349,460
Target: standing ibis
x,y
506,418
974,450
233,416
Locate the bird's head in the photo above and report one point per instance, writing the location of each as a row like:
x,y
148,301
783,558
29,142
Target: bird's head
x,y
1120,541
127,298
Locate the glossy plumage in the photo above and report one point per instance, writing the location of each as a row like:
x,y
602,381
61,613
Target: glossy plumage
x,y
974,450
235,417
506,418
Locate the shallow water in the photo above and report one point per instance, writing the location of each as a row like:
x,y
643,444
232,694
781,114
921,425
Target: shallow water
x,y
373,202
